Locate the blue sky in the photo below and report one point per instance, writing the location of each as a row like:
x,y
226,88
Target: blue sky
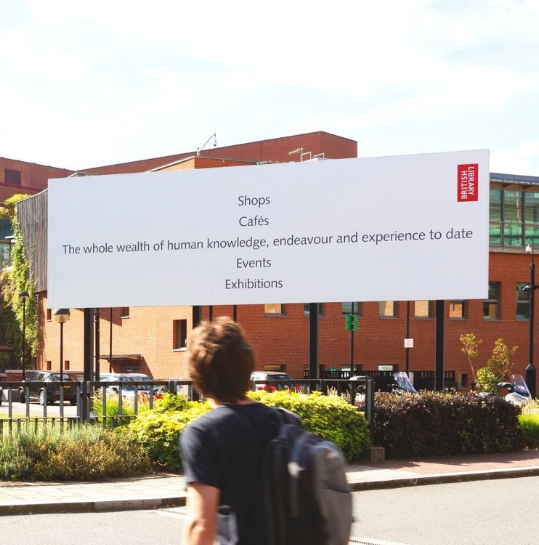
x,y
93,83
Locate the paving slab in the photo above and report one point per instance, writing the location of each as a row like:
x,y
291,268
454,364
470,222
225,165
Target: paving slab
x,y
161,490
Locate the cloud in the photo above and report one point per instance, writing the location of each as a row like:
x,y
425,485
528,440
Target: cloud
x,y
139,77
522,160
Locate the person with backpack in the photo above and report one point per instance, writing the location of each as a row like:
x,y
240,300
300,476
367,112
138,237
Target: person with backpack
x,y
236,458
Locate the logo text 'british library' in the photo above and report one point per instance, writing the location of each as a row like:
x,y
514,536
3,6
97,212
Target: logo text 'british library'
x,y
467,189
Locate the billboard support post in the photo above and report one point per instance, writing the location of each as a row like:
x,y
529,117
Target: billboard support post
x,y
439,366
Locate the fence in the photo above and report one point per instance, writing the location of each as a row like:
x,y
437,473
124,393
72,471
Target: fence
x,y
31,405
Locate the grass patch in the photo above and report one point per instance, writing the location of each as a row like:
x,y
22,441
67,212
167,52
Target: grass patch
x,y
83,453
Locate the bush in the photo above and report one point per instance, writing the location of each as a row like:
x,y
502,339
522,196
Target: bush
x,y
82,453
328,416
529,421
158,430
530,428
441,424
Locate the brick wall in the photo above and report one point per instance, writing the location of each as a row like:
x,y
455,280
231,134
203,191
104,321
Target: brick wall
x,y
34,177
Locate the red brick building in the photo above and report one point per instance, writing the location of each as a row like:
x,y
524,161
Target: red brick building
x,y
151,340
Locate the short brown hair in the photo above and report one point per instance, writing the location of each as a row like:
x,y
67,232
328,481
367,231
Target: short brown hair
x,y
220,360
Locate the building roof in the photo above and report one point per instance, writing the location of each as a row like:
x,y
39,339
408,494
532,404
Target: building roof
x,y
513,179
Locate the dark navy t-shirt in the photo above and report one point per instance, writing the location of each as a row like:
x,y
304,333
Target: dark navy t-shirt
x,y
224,449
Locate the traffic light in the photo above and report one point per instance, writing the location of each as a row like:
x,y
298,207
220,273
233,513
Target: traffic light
x,y
351,322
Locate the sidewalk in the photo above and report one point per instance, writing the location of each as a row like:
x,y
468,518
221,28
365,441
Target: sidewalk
x,y
165,490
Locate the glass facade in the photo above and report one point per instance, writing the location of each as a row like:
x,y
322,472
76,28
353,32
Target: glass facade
x,y
514,217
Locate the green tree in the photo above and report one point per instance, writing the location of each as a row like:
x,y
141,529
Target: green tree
x,y
498,368
13,281
471,348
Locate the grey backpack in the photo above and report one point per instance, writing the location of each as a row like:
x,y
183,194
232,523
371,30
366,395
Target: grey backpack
x,y
308,499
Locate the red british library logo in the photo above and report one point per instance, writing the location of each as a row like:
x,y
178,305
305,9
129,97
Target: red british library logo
x,y
467,188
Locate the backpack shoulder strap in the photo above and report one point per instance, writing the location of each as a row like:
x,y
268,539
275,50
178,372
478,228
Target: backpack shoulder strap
x,y
287,417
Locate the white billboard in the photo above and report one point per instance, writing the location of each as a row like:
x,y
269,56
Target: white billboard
x,y
392,228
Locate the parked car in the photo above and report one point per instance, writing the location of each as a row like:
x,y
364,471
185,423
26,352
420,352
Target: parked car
x,y
271,375
44,387
128,390
397,383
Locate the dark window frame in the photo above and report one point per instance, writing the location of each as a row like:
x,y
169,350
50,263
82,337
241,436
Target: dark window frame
x,y
12,176
392,316
487,303
464,313
179,334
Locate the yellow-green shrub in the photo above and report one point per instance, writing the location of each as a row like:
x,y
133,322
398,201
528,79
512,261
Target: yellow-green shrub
x,y
329,417
82,453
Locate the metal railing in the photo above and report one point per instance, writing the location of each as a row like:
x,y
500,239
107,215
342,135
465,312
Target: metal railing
x,y
362,385
66,404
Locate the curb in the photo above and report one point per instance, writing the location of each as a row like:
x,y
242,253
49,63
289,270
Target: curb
x,y
94,506
444,478
90,506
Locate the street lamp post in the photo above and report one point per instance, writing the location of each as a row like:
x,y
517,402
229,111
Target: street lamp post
x,y
23,296
531,373
61,315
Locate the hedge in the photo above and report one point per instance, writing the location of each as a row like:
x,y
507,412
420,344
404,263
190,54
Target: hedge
x,y
327,416
442,424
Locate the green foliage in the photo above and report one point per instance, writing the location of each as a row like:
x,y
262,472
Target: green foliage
x,y
8,208
112,407
471,348
499,364
530,428
441,424
172,402
13,281
501,360
158,431
82,453
486,380
330,417
498,367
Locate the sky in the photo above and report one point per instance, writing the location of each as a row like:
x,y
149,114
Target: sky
x,y
87,84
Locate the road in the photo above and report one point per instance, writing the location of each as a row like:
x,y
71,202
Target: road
x,y
35,409
469,513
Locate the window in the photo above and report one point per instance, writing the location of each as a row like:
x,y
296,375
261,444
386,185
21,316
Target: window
x,y
491,306
387,309
457,310
66,365
274,310
514,217
351,308
49,315
4,254
12,176
49,365
179,341
125,312
423,309
523,302
307,312
495,216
